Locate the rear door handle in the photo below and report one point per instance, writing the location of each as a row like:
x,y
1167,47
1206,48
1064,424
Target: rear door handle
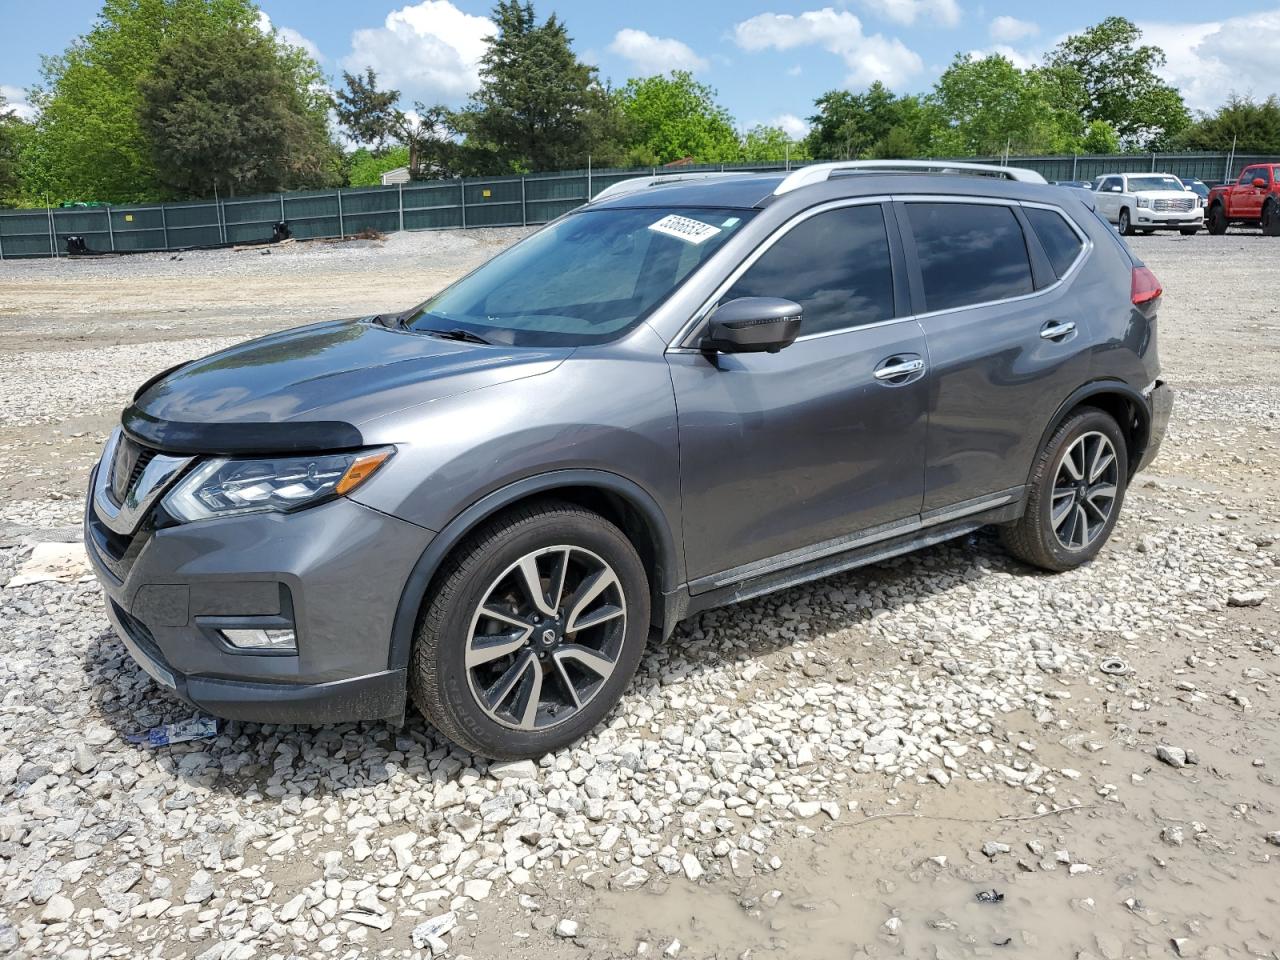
x,y
895,368
1053,330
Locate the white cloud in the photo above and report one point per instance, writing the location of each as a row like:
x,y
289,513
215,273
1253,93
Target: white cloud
x,y
650,54
868,58
1209,60
1010,29
289,36
430,51
16,102
1019,58
945,13
791,125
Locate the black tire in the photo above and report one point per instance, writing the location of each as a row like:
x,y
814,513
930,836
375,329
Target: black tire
x,y
1189,231
1032,538
1217,221
1271,219
1148,232
1125,225
439,679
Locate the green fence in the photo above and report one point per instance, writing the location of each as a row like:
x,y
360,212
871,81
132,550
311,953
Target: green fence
x,y
441,205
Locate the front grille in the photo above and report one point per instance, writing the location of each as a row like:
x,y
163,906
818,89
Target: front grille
x,y
1171,205
127,466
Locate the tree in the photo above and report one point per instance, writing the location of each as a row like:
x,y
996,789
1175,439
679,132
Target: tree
x,y
365,168
365,112
875,124
536,106
673,117
13,134
1252,126
991,106
230,109
1100,138
764,144
1119,84
429,136
88,141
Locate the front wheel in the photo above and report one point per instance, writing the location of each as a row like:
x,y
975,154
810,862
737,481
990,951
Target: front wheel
x,y
1189,231
533,630
1076,490
1217,220
1125,226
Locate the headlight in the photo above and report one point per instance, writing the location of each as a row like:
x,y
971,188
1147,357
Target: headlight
x,y
1144,201
225,487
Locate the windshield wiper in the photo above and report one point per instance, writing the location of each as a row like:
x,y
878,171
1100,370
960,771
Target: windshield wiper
x,y
466,336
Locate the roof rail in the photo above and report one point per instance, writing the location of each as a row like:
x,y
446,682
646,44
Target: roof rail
x,y
819,172
623,187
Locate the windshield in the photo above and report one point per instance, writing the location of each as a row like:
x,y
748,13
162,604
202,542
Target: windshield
x,y
585,279
1138,184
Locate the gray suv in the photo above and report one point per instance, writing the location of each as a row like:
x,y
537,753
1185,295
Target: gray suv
x,y
691,391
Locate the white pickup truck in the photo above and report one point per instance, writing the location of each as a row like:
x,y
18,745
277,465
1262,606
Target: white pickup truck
x,y
1148,202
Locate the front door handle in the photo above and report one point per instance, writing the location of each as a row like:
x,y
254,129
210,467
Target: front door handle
x,y
1053,330
897,367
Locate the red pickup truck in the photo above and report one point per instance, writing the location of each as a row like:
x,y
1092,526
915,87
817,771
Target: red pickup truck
x,y
1253,199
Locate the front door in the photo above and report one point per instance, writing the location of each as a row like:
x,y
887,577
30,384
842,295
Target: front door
x,y
1003,356
783,451
1248,198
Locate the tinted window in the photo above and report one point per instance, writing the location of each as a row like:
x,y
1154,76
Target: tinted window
x,y
835,265
1060,242
969,253
1246,178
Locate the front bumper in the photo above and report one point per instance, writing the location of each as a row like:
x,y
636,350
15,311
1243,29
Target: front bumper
x,y
1168,219
1160,400
336,570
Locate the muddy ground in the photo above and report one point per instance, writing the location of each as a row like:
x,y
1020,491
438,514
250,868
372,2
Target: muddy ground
x,y
1126,856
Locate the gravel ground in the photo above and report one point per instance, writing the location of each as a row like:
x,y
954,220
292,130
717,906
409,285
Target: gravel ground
x,y
837,770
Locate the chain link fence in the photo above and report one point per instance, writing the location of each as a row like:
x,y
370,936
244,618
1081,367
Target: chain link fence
x,y
441,205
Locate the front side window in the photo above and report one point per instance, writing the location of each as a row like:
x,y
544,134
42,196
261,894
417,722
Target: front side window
x,y
834,264
1247,178
588,278
1061,244
969,253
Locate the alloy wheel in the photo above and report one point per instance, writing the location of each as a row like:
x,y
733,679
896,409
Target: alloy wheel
x,y
545,637
1084,490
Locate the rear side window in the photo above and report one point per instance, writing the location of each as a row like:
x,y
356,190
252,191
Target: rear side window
x,y
1060,242
969,253
834,264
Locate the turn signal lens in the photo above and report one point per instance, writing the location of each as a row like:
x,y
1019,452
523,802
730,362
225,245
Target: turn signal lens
x,y
1145,287
361,470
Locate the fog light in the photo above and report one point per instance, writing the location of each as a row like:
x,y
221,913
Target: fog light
x,y
257,639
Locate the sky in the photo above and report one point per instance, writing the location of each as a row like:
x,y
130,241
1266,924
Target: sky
x,y
767,60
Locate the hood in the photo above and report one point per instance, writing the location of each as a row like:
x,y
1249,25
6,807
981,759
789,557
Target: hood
x,y
311,387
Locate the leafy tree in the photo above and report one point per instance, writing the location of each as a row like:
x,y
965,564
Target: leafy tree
x,y
1101,138
875,124
13,134
88,142
1254,127
763,144
990,106
429,137
229,108
673,117
365,112
536,106
1119,84
365,167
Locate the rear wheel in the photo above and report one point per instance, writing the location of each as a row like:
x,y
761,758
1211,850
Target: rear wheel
x,y
1125,226
1271,219
1217,220
533,631
1076,490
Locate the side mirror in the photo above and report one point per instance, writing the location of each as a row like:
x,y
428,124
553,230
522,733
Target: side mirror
x,y
753,325
1260,182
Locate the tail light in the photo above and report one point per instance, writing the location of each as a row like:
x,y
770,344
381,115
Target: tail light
x,y
1145,287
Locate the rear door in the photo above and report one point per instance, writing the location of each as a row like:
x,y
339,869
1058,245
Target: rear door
x,y
1006,343
784,451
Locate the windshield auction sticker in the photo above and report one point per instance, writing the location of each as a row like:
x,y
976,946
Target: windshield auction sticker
x,y
683,228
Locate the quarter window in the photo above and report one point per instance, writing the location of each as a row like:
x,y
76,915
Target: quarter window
x,y
1061,244
969,253
834,264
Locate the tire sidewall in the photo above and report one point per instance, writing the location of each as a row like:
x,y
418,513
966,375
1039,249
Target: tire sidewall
x,y
1125,224
452,684
1088,421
